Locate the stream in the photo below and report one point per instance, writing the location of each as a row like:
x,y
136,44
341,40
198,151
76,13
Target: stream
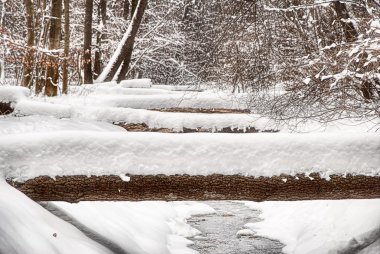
x,y
219,231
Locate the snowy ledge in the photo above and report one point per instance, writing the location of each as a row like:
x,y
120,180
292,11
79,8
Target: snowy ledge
x,y
211,187
29,155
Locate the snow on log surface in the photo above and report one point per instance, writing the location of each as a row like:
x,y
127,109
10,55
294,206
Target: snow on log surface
x,y
55,132
154,119
25,156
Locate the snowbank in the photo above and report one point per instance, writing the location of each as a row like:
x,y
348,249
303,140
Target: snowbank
x,y
25,227
320,227
13,93
136,227
41,124
94,227
136,83
25,156
131,91
153,119
205,100
180,88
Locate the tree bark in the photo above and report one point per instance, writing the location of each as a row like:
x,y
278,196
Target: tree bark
x,y
134,4
212,187
126,8
351,35
65,75
52,74
87,66
124,51
343,16
100,36
27,80
5,108
136,21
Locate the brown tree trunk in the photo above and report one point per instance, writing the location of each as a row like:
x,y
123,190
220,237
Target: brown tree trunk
x,y
212,187
125,53
52,74
351,35
136,21
65,75
134,4
87,66
27,80
100,36
126,8
343,16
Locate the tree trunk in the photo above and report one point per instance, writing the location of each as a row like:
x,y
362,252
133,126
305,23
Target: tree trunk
x,y
343,16
126,8
100,36
65,75
87,66
41,42
124,51
136,21
27,80
52,72
351,35
212,187
134,4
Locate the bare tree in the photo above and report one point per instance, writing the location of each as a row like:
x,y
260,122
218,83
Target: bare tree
x,y
52,72
87,63
122,56
65,74
100,36
28,59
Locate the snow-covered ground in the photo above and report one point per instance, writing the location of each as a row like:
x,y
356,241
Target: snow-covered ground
x,y
44,136
321,227
99,227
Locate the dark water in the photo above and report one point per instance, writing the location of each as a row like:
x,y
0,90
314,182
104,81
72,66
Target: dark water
x,y
219,231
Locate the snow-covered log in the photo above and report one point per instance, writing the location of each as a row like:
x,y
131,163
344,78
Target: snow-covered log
x,y
210,187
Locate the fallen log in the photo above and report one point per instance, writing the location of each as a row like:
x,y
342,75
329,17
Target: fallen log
x,y
203,110
211,187
143,127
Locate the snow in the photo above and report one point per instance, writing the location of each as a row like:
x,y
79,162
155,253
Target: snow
x,y
131,91
42,124
178,88
245,232
13,93
133,227
109,102
25,227
44,136
136,83
153,119
320,227
136,227
204,100
28,155
189,209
